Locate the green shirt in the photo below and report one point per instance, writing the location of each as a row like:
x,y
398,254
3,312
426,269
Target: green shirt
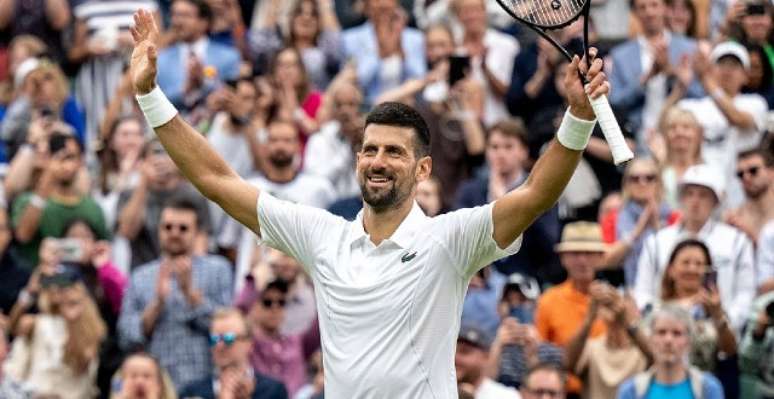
x,y
55,218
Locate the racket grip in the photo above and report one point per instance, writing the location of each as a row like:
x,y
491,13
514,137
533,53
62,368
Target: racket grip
x,y
615,139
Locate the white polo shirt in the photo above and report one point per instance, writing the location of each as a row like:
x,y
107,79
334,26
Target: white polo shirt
x,y
389,314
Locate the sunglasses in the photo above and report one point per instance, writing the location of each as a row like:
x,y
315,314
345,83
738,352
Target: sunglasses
x,y
228,338
179,227
267,303
648,178
753,171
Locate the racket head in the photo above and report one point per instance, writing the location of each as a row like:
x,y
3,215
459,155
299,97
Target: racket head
x,y
545,14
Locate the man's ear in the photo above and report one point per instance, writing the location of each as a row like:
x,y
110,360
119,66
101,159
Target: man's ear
x,y
424,168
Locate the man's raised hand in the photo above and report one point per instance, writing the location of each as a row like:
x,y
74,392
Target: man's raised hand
x,y
143,64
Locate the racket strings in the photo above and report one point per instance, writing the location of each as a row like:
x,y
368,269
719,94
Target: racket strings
x,y
546,13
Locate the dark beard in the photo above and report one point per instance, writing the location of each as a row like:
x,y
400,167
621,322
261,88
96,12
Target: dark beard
x,y
281,161
380,202
754,195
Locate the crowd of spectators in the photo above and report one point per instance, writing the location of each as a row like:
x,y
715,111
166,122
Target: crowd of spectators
x,y
649,280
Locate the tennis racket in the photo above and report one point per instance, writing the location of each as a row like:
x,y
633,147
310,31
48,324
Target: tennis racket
x,y
544,15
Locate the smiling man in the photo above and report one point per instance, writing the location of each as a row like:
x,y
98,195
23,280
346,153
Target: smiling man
x,y
390,285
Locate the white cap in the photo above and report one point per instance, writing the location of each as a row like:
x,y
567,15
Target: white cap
x,y
733,49
706,176
24,69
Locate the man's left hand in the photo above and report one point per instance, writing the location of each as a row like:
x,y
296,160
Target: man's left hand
x,y
577,94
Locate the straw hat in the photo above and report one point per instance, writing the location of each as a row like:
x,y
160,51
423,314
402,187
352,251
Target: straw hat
x,y
581,237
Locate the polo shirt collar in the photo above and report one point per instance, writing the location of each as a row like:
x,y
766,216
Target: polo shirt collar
x,y
402,236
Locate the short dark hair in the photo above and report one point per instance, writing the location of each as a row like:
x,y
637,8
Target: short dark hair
x,y
184,203
767,159
546,366
58,140
401,115
510,127
202,7
277,285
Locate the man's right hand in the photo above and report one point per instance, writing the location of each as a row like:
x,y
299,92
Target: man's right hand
x,y
143,63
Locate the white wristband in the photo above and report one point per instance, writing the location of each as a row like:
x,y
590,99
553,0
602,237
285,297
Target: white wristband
x,y
574,133
156,107
37,201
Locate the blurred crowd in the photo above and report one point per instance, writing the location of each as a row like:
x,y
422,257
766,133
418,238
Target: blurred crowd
x,y
119,280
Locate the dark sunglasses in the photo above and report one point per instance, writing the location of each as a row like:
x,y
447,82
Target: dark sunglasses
x,y
228,338
753,171
544,392
649,178
179,227
267,303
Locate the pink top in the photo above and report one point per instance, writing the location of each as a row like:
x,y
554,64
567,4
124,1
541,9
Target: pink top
x,y
113,282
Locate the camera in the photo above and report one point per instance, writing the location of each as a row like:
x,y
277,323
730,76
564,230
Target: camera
x,y
755,9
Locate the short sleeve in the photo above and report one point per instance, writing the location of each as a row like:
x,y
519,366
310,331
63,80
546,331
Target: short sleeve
x,y
298,230
467,234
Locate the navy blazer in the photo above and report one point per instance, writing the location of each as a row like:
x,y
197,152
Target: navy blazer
x,y
265,388
628,96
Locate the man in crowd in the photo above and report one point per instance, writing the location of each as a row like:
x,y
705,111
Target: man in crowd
x,y
701,191
54,201
387,52
671,377
184,66
234,377
755,169
278,355
331,152
139,209
507,155
733,121
642,67
562,309
167,306
756,351
470,362
544,380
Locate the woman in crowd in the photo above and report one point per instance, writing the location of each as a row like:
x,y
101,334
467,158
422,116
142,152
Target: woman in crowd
x,y
142,377
689,283
642,213
312,29
119,155
56,352
297,99
676,149
681,18
760,76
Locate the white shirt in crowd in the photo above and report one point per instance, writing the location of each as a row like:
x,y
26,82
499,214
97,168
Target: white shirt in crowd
x,y
389,314
330,155
732,258
304,189
502,51
722,141
655,88
765,256
490,389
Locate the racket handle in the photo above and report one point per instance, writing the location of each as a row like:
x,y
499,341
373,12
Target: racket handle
x,y
615,139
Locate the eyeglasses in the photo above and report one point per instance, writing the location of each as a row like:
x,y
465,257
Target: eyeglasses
x,y
267,303
647,178
228,338
753,171
179,227
540,392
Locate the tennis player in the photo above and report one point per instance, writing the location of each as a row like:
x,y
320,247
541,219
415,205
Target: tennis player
x,y
390,285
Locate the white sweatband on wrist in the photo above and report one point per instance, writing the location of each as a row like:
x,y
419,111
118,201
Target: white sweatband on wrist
x,y
574,133
156,107
37,201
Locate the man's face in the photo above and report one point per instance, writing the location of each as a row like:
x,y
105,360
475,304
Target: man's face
x,y
439,45
651,14
669,340
472,14
469,362
387,169
186,22
285,267
226,355
755,176
542,384
697,203
731,74
70,158
581,266
347,101
269,311
177,231
505,154
245,96
282,145
375,8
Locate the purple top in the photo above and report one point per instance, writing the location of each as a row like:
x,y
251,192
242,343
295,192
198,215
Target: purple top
x,y
284,357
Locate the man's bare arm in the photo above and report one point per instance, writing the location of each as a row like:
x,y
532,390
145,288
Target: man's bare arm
x,y
514,212
190,151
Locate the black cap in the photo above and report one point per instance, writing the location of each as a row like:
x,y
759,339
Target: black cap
x,y
475,336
